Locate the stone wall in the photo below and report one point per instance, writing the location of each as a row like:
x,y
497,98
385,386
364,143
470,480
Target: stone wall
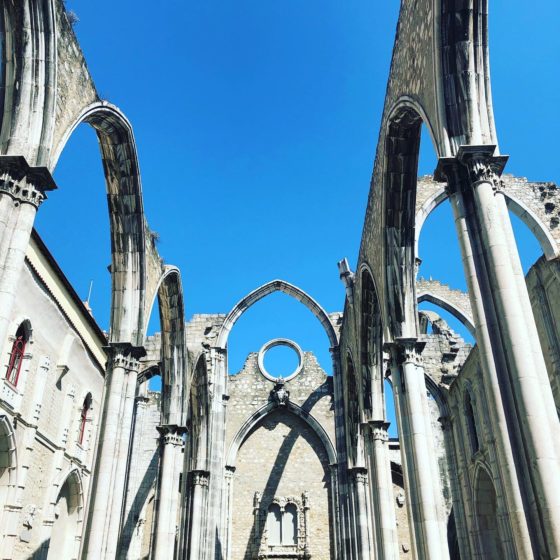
x,y
144,460
281,457
543,282
44,413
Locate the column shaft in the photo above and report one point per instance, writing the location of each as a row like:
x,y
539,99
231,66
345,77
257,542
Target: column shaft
x,y
107,490
168,499
381,484
515,509
524,373
416,438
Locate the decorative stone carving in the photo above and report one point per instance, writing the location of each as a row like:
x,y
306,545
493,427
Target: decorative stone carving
x,y
172,434
200,478
379,430
280,396
25,184
125,356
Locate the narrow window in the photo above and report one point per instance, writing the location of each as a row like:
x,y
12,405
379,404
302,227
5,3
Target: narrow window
x,y
289,525
16,356
274,522
471,424
84,418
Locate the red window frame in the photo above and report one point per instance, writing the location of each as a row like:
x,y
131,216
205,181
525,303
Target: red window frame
x,y
84,418
16,359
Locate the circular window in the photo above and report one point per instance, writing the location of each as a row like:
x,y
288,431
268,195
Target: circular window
x,y
280,342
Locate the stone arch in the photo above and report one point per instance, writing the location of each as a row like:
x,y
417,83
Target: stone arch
x,y
8,465
371,345
251,422
28,79
126,216
436,195
400,148
197,451
455,302
173,347
68,518
267,289
485,506
352,404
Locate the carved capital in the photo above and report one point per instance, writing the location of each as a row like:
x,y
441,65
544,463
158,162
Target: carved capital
x,y
407,350
171,434
124,355
482,165
379,430
359,474
25,184
200,478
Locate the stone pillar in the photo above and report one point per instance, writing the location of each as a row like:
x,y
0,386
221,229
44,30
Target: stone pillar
x,y
513,336
381,484
228,509
421,483
22,190
489,358
199,481
106,502
360,476
168,499
343,530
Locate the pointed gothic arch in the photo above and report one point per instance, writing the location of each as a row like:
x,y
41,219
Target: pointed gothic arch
x,y
173,364
255,418
267,289
129,268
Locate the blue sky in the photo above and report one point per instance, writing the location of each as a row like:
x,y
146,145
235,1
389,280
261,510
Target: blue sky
x,y
256,124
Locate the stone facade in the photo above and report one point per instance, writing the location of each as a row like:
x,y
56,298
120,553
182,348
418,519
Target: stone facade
x,y
243,467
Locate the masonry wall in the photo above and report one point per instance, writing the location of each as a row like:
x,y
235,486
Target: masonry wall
x,y
44,413
282,457
144,460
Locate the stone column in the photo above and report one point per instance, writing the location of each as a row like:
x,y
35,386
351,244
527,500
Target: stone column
x,y
360,476
168,499
504,297
422,484
22,190
106,501
344,537
199,482
381,483
490,358
228,509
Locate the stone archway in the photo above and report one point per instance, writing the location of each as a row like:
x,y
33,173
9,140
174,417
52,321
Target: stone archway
x,y
486,512
66,531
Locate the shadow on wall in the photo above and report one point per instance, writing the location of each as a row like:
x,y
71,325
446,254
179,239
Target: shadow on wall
x,y
137,505
256,534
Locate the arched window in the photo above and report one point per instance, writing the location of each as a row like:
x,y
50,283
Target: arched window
x,y
282,525
86,407
471,423
16,356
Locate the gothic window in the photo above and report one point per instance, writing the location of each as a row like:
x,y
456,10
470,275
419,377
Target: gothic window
x,y
282,525
16,356
471,424
86,407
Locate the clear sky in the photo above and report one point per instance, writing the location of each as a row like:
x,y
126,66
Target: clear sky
x,y
256,124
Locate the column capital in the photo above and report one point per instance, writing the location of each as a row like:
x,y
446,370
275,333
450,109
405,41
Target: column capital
x,y
406,350
124,355
474,164
25,184
359,474
379,430
172,434
200,478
